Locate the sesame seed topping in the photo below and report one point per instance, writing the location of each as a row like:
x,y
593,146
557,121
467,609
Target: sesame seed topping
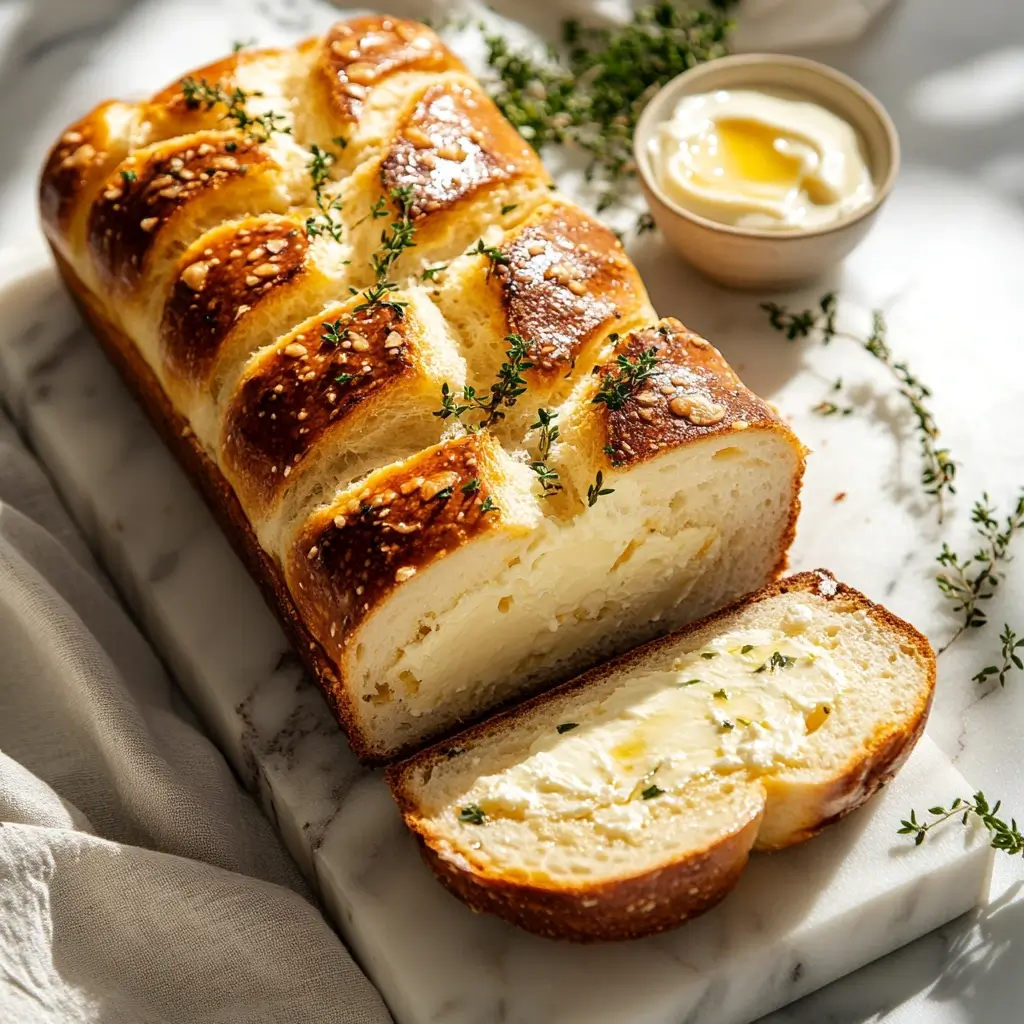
x,y
697,409
406,572
194,275
295,350
148,223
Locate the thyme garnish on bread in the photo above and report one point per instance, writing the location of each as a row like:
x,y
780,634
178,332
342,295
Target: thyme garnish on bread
x,y
198,92
502,394
325,221
938,469
547,475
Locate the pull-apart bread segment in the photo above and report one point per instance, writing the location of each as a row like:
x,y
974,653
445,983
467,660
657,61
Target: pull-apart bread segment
x,y
628,800
314,266
379,571
456,165
342,393
561,280
364,74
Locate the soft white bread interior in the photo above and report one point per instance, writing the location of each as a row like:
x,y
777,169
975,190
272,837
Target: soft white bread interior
x,y
628,800
260,246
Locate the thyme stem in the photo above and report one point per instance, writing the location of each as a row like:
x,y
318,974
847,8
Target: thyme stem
x,y
938,470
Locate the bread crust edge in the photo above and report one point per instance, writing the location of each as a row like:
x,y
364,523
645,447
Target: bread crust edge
x,y
635,906
220,498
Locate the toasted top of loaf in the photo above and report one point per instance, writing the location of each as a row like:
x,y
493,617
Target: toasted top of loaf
x,y
755,727
349,284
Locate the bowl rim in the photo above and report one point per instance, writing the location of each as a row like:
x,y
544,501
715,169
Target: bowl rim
x,y
646,124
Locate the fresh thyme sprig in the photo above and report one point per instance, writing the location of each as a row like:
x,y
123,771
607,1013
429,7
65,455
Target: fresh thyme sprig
x,y
967,581
494,255
198,92
501,395
547,476
325,221
597,490
938,470
393,242
626,379
1002,835
591,91
1011,659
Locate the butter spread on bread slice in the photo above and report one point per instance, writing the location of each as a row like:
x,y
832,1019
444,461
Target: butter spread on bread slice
x,y
628,800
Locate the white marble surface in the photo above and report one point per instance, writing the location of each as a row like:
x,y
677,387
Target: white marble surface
x,y
947,261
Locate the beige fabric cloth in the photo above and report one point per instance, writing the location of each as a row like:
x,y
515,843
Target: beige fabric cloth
x,y
138,882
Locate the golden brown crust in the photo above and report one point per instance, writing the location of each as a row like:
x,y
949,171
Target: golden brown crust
x,y
221,500
170,112
565,283
130,212
219,282
630,908
76,166
693,883
693,393
453,145
350,558
306,389
359,54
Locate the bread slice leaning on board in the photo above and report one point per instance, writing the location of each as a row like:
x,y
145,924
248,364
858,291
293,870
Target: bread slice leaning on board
x,y
421,570
628,800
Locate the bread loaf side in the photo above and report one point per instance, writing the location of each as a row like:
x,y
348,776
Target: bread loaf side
x,y
289,254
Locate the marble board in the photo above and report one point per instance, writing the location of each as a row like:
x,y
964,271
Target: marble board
x,y
798,920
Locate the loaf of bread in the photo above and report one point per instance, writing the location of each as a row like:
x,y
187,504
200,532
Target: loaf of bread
x,y
628,800
292,255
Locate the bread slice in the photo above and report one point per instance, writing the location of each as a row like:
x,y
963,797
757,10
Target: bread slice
x,y
628,800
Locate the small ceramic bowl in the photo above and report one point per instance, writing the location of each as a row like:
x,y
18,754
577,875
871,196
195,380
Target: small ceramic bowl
x,y
753,257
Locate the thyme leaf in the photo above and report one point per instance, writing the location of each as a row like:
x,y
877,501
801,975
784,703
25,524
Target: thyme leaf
x,y
626,378
967,581
1011,659
199,93
1003,835
597,490
325,220
471,814
938,470
547,475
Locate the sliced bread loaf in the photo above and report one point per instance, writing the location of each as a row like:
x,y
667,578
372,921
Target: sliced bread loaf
x,y
628,800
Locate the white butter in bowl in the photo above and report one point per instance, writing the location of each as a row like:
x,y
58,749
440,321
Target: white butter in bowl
x,y
747,158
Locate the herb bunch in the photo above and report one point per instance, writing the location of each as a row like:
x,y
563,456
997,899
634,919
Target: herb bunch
x,y
198,92
967,581
938,470
1003,835
592,89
